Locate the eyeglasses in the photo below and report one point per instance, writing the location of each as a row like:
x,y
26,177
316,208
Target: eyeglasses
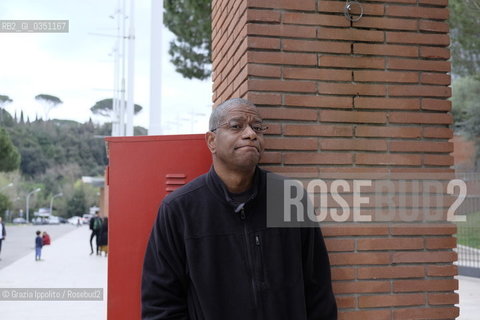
x,y
239,126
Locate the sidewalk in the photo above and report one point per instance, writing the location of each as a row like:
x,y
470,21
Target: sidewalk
x,y
66,264
469,291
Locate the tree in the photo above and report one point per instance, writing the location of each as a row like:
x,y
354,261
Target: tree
x,y
104,108
465,45
472,129
4,100
9,156
190,22
465,98
466,110
77,206
49,102
5,204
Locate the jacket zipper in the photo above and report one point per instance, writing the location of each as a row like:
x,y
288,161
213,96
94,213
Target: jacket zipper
x,y
249,257
259,253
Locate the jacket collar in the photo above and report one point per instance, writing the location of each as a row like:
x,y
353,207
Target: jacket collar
x,y
219,189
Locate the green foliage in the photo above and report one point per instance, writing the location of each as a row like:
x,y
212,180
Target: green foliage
x,y
49,102
55,154
472,124
47,144
465,99
465,45
6,119
190,22
9,156
104,108
46,98
76,206
468,232
4,204
4,100
466,110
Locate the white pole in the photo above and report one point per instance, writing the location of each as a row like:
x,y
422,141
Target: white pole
x,y
115,92
131,70
51,200
116,76
123,102
28,202
155,67
123,106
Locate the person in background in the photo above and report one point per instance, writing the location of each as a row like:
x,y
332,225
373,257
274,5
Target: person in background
x,y
103,236
46,238
96,226
38,246
3,234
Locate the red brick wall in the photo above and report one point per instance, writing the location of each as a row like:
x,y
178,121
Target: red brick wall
x,y
229,49
341,96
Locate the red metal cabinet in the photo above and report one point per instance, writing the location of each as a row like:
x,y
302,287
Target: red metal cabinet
x,y
141,171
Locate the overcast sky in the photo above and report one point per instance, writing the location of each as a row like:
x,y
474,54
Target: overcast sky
x,y
77,66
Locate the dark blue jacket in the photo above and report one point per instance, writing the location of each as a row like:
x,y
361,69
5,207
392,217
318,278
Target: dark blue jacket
x,y
38,242
204,261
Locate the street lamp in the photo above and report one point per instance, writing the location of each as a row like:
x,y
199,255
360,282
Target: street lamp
x,y
51,200
28,199
7,186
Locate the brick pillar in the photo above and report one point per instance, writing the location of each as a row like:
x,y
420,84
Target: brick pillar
x,y
342,96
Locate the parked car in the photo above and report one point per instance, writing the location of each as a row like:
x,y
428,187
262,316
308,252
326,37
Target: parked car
x,y
74,220
19,220
86,218
53,220
39,220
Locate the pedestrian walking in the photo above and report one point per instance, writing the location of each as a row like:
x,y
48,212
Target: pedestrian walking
x,y
96,226
3,234
38,246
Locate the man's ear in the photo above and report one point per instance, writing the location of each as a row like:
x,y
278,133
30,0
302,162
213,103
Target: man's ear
x,y
210,140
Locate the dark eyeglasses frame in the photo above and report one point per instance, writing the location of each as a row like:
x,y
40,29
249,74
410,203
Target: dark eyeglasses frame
x,y
262,129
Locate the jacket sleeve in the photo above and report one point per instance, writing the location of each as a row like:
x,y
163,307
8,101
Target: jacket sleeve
x,y
164,280
319,298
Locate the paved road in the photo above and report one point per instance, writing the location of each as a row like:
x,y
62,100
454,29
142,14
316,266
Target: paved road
x,y
67,264
21,240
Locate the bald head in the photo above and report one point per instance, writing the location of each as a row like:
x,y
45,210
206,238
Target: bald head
x,y
219,113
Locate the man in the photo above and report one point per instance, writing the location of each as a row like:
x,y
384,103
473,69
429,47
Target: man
x,y
95,225
3,233
210,255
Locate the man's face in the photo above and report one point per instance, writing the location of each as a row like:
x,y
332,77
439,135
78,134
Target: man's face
x,y
234,148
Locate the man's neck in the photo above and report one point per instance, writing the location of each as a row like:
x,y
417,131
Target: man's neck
x,y
235,181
